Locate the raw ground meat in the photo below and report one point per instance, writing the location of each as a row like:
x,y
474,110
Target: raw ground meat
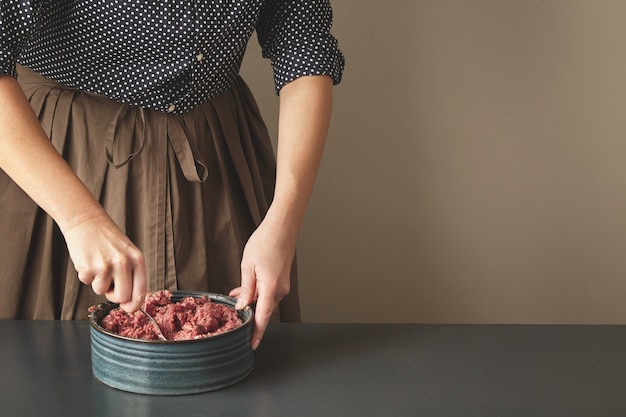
x,y
189,318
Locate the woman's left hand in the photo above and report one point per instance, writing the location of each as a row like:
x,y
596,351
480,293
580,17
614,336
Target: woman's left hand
x,y
265,273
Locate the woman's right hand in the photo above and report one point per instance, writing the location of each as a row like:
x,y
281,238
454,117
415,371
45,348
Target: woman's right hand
x,y
106,259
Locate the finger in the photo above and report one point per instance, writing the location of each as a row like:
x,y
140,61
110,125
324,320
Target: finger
x,y
264,308
86,279
139,288
247,290
101,283
235,292
121,289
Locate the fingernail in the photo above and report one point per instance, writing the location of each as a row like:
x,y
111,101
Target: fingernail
x,y
239,304
255,344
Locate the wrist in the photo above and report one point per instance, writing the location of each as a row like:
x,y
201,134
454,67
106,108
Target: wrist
x,y
91,212
284,219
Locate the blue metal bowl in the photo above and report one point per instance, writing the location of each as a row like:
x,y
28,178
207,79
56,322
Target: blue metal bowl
x,y
172,367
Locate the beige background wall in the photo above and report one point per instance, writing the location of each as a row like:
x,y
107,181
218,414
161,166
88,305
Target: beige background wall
x,y
476,165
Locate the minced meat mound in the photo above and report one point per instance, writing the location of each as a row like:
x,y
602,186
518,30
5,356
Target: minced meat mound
x,y
189,318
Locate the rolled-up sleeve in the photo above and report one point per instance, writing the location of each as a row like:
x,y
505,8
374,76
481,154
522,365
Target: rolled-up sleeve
x,y
295,36
16,22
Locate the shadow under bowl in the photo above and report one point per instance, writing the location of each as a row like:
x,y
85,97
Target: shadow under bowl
x,y
171,367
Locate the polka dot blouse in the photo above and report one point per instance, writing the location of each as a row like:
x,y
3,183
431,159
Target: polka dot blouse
x,y
166,55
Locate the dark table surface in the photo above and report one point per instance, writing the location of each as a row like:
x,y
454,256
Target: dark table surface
x,y
343,370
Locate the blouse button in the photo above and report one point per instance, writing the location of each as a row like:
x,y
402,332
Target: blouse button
x,y
171,108
200,56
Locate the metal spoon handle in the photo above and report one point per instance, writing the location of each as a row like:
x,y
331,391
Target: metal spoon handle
x,y
153,321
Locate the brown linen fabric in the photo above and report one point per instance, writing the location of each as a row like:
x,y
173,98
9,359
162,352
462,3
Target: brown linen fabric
x,y
187,189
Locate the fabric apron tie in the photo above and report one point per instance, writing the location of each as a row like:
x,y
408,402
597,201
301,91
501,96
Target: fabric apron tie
x,y
110,138
193,170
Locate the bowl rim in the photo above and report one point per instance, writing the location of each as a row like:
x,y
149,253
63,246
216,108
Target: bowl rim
x,y
246,315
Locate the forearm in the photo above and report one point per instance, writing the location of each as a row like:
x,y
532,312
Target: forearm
x,y
304,118
29,158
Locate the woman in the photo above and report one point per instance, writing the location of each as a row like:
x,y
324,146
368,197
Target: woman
x,y
134,157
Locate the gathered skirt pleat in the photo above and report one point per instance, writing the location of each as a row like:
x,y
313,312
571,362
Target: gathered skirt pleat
x,y
187,189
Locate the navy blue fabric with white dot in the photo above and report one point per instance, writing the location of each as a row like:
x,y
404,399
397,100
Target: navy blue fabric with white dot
x,y
165,55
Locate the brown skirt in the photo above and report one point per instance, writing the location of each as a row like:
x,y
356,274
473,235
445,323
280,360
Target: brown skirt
x,y
187,189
